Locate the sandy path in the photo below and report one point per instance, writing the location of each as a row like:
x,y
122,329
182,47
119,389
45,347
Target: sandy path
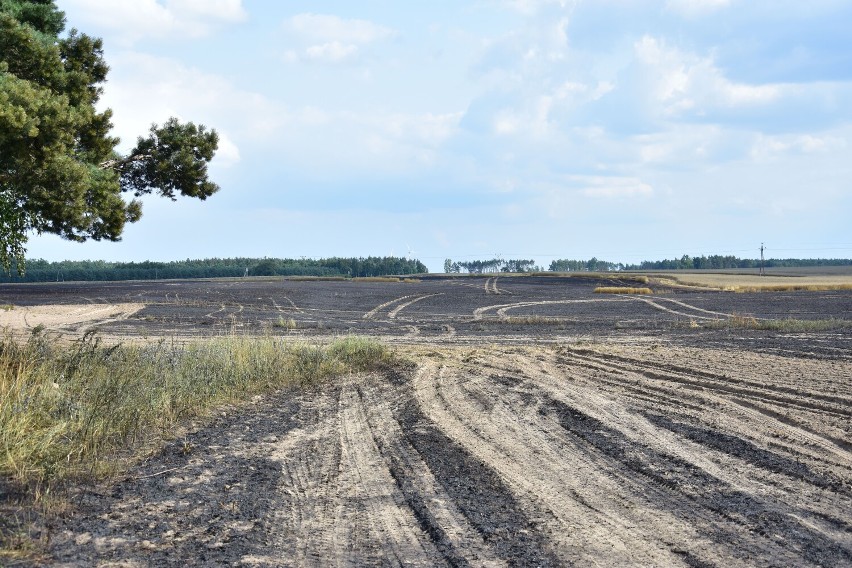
x,y
69,318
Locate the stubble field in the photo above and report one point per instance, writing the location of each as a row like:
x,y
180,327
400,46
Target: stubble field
x,y
537,423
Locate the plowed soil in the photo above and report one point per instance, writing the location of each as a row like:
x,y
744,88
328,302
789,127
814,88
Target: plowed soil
x,y
537,424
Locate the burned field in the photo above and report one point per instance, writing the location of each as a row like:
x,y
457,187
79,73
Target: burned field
x,y
534,423
437,309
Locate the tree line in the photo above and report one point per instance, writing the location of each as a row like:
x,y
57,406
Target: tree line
x,y
594,264
40,270
686,262
726,261
492,265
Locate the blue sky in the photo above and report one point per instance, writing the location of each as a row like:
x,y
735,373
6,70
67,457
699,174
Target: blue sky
x,y
620,129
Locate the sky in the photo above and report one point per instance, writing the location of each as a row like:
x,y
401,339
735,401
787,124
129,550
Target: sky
x,y
535,129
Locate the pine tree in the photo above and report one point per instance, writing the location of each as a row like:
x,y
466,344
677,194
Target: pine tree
x,y
59,169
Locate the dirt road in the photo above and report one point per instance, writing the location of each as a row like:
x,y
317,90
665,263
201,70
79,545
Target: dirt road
x,y
592,454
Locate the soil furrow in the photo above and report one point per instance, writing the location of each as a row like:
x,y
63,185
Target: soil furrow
x,y
365,477
774,526
753,391
693,371
551,478
826,443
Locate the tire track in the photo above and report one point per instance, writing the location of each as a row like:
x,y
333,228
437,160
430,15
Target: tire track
x,y
365,477
532,459
653,304
372,313
755,392
480,456
705,449
691,307
479,486
491,286
690,469
795,389
435,509
728,395
393,313
479,313
655,506
279,309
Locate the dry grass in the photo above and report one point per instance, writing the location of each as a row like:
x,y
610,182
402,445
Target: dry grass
x,y
315,278
784,325
288,324
744,282
621,277
792,287
532,320
81,411
622,290
377,279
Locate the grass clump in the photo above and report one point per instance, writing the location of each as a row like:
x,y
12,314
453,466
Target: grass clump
x,y
393,279
622,290
315,278
288,324
792,288
790,325
638,278
388,279
72,412
532,320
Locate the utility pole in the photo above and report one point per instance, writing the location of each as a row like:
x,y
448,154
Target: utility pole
x,y
762,271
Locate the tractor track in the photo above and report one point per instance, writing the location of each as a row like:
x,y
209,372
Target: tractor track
x,y
490,456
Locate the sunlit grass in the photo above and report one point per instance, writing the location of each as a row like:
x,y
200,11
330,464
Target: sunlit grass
x,y
792,288
532,320
790,325
746,283
639,278
76,411
622,290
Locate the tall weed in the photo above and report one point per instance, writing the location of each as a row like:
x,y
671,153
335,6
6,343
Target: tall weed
x,y
68,411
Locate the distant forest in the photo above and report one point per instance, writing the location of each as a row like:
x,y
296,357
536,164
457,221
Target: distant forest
x,y
687,262
44,271
98,270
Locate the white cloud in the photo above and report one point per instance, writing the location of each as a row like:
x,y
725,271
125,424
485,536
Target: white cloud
x,y
694,8
769,148
315,141
228,154
530,7
682,81
333,51
325,27
219,10
331,39
133,20
613,187
308,139
145,89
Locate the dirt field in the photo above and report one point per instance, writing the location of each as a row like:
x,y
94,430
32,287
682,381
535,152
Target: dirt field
x,y
538,424
442,310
